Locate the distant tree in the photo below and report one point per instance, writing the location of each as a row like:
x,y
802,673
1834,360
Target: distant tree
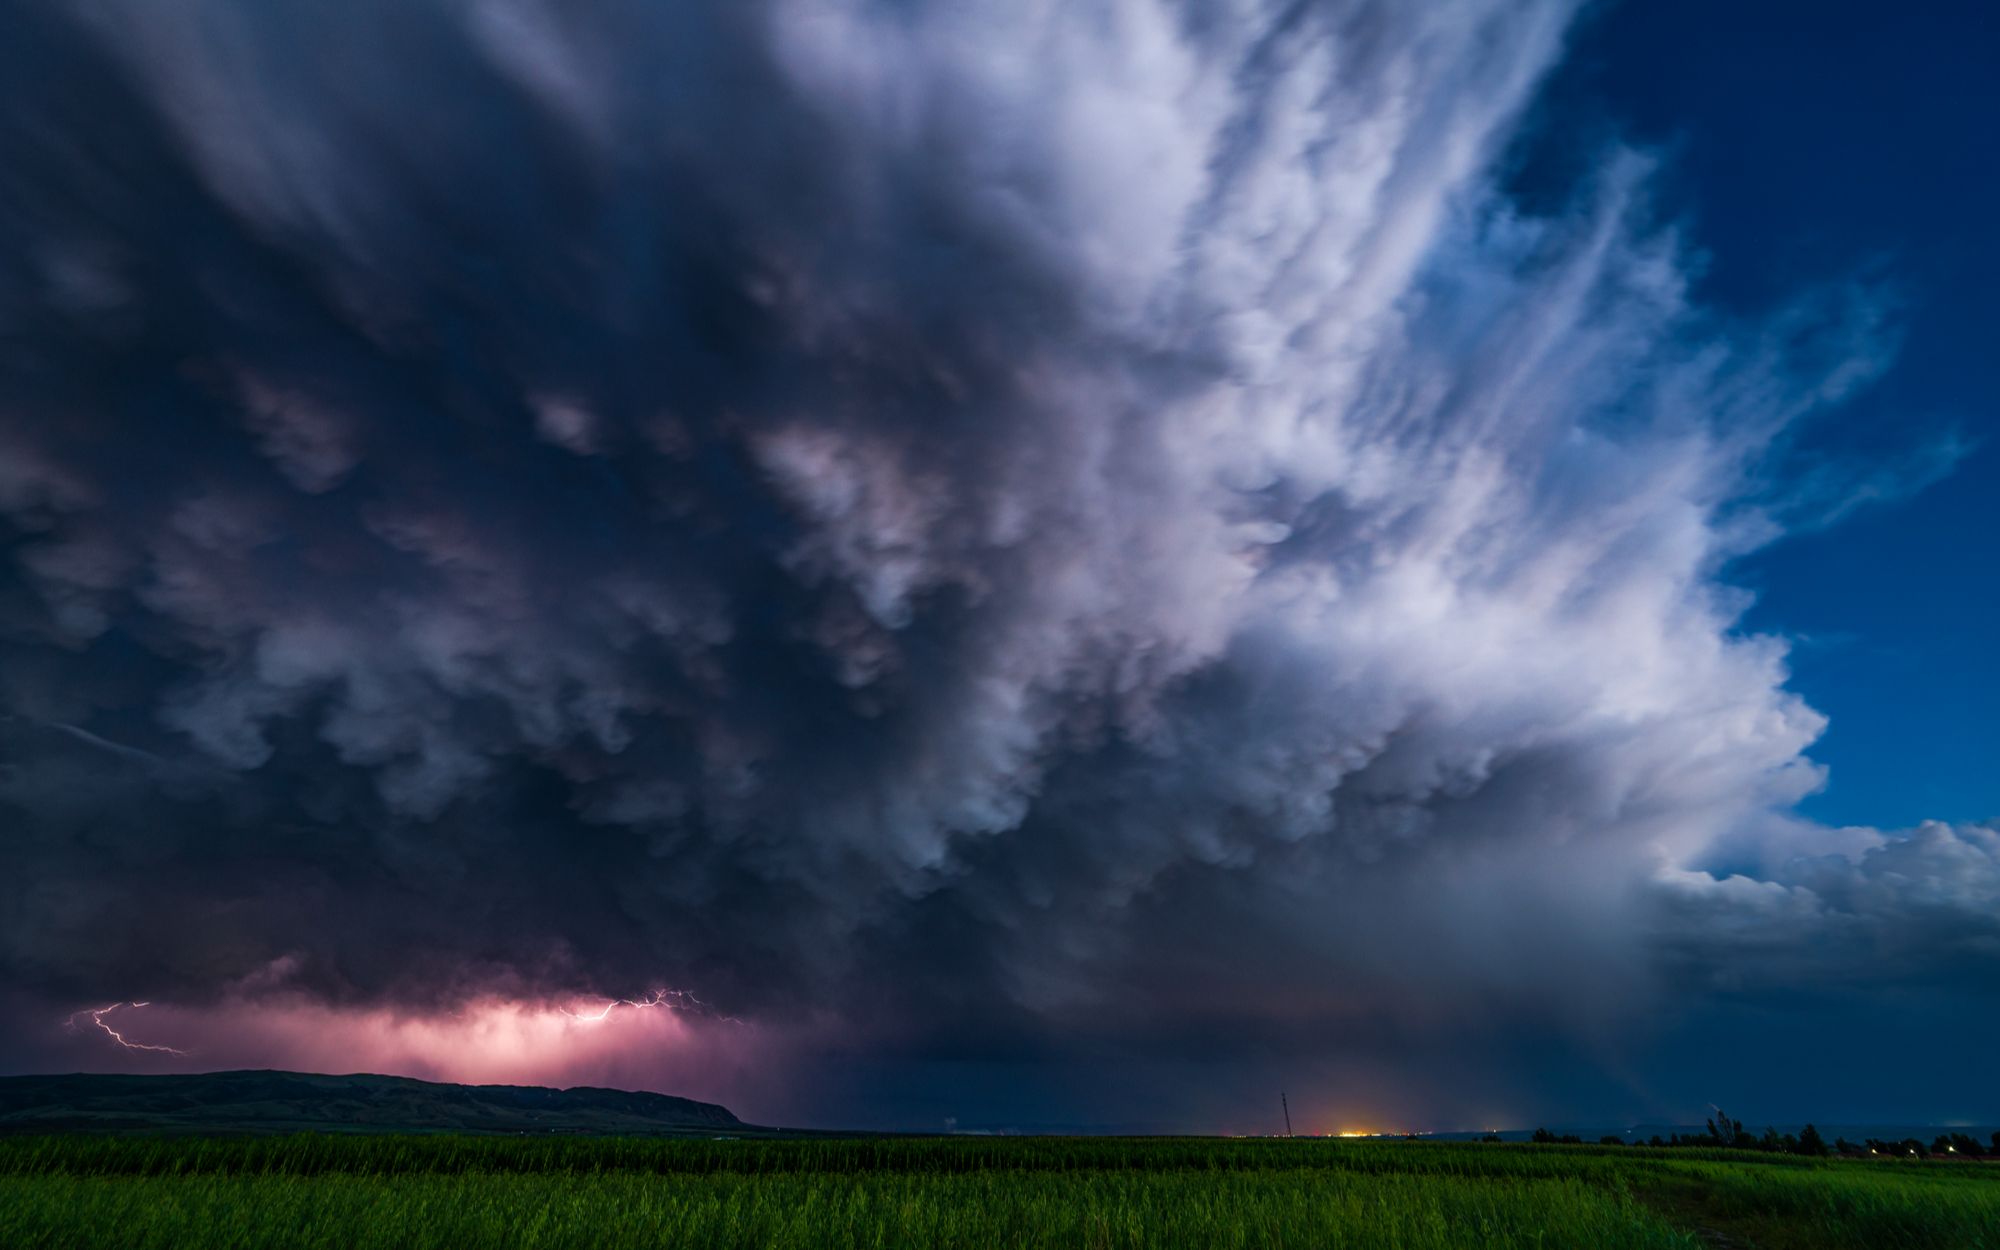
x,y
1956,1144
1810,1142
1610,1139
1843,1145
1770,1140
1491,1137
1996,1142
1543,1137
1911,1146
1657,1142
1724,1131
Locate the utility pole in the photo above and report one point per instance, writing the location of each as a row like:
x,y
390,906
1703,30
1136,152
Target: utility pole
x,y
1286,1104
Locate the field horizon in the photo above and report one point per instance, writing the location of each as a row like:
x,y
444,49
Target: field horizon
x,y
275,1100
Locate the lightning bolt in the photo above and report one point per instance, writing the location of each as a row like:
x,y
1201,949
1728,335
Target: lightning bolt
x,y
681,1002
97,1018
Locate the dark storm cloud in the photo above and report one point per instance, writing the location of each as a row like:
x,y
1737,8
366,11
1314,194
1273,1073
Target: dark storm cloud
x,y
955,520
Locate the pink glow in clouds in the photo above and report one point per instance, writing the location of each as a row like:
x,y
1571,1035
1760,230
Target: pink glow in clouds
x,y
666,1041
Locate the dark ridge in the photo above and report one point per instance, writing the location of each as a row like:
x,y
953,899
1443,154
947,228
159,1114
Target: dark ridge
x,y
284,1102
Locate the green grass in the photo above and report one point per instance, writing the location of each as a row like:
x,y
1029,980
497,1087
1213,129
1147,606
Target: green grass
x,y
410,1193
1835,1204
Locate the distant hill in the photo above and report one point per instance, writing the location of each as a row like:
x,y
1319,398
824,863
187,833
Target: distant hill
x,y
283,1102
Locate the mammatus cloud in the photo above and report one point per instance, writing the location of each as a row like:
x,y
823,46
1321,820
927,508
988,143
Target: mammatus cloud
x,y
920,522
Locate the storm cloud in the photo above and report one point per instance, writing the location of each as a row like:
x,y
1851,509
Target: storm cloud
x,y
947,526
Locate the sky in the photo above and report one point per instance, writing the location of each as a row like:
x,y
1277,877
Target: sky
x,y
989,565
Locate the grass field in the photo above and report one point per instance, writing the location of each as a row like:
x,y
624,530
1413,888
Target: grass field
x,y
412,1193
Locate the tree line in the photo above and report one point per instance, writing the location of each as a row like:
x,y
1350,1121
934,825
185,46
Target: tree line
x,y
1725,1132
